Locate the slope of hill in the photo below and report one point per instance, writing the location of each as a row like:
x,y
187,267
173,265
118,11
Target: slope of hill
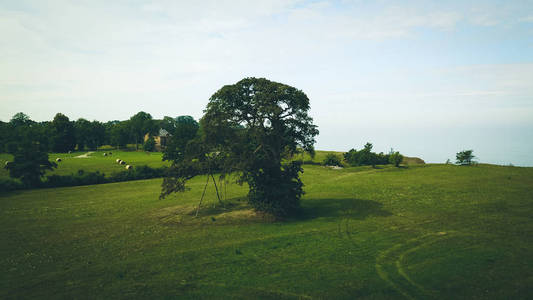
x,y
428,231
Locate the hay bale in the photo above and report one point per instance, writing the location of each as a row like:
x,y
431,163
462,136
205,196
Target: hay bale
x,y
58,159
105,154
122,162
117,160
7,164
128,167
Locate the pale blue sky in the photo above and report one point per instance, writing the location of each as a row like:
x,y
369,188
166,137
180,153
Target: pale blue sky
x,y
426,78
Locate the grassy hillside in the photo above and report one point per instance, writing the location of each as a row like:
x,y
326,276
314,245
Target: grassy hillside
x,y
106,164
432,231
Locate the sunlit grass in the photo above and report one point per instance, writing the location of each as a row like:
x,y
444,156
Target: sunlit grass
x,y
431,231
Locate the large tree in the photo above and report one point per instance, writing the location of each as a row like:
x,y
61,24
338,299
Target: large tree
x,y
140,124
183,130
83,132
119,133
63,134
30,161
254,126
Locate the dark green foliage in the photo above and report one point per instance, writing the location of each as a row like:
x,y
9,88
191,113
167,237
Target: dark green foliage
x,y
83,128
4,134
89,178
22,126
141,124
365,157
90,134
30,161
183,130
178,175
395,158
82,178
465,157
168,123
62,134
138,173
20,119
256,123
149,145
332,160
119,133
249,128
276,190
8,184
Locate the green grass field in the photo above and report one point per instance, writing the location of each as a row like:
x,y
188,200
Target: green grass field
x,y
432,231
95,161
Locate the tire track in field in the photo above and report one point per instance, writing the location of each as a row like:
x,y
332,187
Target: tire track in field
x,y
389,266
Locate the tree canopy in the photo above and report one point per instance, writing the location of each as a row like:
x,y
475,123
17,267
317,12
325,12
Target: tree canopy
x,y
30,162
251,127
141,124
63,137
183,130
465,157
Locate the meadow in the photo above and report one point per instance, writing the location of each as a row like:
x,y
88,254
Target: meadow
x,y
95,161
421,232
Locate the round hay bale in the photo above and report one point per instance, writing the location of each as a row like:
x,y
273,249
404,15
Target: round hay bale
x,y
7,164
128,167
69,151
58,159
122,162
117,160
105,154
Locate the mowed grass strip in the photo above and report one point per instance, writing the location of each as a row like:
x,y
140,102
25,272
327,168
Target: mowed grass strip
x,y
433,231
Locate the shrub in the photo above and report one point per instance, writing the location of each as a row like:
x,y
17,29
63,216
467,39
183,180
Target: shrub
x,y
395,158
89,178
7,184
81,178
465,157
365,157
332,160
149,145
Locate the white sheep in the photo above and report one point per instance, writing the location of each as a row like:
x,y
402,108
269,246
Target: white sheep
x,y
58,159
128,167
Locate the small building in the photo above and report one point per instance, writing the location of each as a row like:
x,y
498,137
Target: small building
x,y
161,139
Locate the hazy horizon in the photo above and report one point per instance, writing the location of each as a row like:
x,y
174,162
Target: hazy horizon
x,y
428,79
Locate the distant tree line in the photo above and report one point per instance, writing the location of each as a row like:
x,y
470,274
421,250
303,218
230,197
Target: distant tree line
x,y
63,135
365,157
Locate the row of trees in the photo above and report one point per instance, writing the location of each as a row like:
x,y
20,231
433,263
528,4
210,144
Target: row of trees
x,y
365,157
63,135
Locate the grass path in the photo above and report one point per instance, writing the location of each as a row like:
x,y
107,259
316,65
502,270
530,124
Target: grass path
x,y
86,155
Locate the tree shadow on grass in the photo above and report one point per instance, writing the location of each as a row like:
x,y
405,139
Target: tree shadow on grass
x,y
347,207
10,193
